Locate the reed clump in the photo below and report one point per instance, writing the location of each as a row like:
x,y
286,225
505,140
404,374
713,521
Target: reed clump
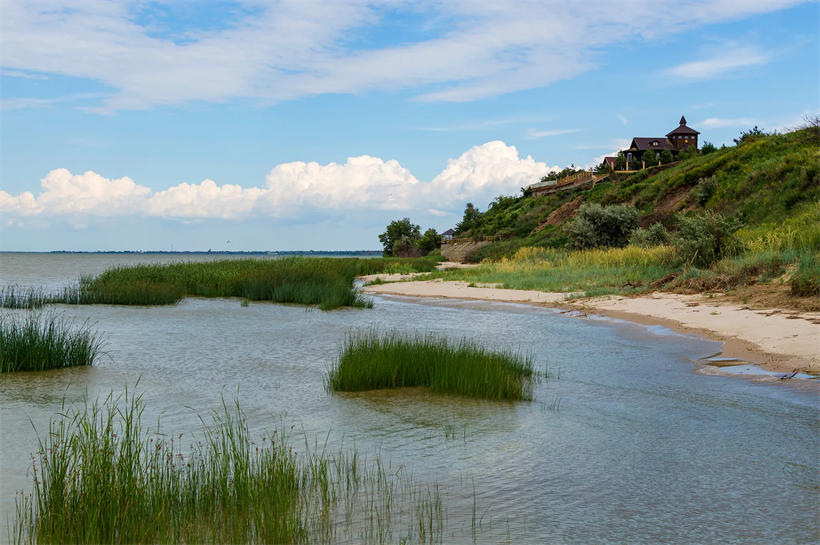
x,y
324,282
370,360
101,476
38,342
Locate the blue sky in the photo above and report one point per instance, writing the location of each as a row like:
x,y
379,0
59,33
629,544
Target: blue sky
x,y
310,125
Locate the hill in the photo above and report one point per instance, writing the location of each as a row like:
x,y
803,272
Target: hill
x,y
765,182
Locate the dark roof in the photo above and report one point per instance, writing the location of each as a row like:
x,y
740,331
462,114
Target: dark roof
x,y
658,143
610,159
682,128
448,232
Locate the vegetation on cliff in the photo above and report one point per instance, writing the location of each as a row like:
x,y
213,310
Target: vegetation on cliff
x,y
721,220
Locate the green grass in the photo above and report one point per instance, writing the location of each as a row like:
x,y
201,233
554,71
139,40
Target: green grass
x,y
102,476
599,271
39,342
369,361
324,282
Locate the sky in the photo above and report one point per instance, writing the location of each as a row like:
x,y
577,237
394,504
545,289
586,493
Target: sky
x,y
301,125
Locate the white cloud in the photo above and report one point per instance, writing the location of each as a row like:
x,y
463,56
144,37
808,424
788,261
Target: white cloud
x,y
291,190
623,119
722,122
361,182
493,167
63,193
733,59
532,134
205,200
293,48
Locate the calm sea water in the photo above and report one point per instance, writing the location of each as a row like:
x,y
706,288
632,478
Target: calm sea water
x,y
629,443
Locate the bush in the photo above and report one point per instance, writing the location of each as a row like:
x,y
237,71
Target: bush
x,y
654,235
703,239
667,157
707,148
595,226
705,189
649,158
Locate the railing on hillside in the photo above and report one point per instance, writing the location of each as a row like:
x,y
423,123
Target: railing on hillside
x,y
477,238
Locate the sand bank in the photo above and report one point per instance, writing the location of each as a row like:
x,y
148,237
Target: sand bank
x,y
775,339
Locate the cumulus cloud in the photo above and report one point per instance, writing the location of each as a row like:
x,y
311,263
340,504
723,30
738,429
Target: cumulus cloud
x,y
361,182
204,200
491,167
290,189
64,193
294,48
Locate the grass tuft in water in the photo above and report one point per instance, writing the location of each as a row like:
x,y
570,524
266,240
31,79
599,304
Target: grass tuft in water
x,y
38,342
369,361
100,476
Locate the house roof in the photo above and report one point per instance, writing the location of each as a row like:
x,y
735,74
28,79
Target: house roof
x,y
644,143
610,159
448,232
682,128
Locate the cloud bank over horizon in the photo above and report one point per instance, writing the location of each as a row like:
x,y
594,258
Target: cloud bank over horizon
x,y
290,190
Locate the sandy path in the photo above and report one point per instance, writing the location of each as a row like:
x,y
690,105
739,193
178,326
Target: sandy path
x,y
776,339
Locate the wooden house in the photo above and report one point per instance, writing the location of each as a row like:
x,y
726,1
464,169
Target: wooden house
x,y
683,137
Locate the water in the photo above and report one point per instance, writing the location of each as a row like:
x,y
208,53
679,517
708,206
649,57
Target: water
x,y
628,443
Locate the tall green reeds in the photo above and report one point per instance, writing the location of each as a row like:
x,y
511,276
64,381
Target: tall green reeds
x,y
38,342
324,282
369,360
101,476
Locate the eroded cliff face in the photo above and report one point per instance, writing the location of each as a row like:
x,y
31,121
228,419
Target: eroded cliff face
x,y
458,251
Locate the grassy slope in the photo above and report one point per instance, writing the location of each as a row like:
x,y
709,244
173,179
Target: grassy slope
x,y
766,181
772,183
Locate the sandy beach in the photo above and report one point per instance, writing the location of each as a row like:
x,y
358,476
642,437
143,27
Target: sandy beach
x,y
775,339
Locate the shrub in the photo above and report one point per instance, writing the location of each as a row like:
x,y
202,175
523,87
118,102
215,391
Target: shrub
x,y
703,239
595,226
707,148
667,157
705,189
654,235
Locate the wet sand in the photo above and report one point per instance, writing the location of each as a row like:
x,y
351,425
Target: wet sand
x,y
775,339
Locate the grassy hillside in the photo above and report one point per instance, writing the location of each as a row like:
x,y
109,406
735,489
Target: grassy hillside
x,y
744,220
763,182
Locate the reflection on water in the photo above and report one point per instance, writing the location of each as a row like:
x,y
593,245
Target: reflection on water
x,y
640,449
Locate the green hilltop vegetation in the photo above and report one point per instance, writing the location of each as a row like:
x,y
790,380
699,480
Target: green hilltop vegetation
x,y
717,220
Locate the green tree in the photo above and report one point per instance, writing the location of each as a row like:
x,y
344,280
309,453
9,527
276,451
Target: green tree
x,y
707,147
667,157
749,136
620,161
429,241
399,231
471,219
649,158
